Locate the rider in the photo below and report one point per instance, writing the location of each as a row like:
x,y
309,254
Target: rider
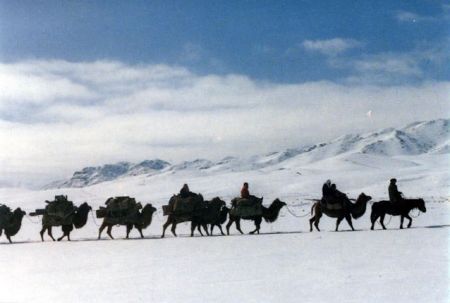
x,y
394,195
185,192
245,193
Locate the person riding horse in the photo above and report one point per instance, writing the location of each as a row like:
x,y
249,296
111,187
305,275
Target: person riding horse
x,y
395,196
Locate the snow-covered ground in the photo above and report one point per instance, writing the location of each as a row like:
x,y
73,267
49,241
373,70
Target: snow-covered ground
x,y
286,263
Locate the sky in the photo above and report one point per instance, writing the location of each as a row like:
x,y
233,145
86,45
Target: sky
x,y
92,82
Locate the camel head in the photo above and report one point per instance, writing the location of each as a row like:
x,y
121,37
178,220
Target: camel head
x,y
363,198
279,203
85,207
19,212
149,208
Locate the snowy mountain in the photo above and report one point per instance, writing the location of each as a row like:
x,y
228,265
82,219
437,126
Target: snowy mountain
x,y
429,137
93,175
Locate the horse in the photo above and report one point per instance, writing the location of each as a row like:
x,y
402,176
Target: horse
x,y
402,208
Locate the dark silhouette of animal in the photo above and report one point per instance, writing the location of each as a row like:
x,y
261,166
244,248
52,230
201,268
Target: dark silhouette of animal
x,y
192,206
270,214
401,208
77,219
140,221
355,210
214,214
12,223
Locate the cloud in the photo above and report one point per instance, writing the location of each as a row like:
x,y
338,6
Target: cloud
x,y
89,113
405,16
331,47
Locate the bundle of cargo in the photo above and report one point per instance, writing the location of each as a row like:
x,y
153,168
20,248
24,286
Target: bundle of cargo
x,y
246,207
5,215
119,209
58,212
183,206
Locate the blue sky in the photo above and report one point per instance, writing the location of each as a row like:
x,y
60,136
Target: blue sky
x,y
93,82
261,39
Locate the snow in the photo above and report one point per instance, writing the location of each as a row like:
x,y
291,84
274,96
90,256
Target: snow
x,y
285,263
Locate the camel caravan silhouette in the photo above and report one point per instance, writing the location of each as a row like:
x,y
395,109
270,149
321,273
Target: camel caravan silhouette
x,y
205,215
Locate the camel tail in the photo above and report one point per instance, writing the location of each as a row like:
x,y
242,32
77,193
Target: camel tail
x,y
312,208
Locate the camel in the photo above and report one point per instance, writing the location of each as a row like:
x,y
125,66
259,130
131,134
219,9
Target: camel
x,y
78,219
215,214
142,220
355,210
195,204
380,209
270,214
12,224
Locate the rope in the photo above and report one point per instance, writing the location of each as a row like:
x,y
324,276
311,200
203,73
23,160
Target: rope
x,y
29,219
293,214
93,218
418,214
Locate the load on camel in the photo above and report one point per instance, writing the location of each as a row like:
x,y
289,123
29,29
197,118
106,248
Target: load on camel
x,y
182,208
62,212
124,211
252,209
10,221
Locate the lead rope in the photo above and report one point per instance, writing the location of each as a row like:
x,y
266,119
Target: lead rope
x,y
93,218
29,219
295,215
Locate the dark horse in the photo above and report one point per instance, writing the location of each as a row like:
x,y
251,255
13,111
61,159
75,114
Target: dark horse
x,y
13,224
270,214
141,221
380,209
215,214
355,210
78,219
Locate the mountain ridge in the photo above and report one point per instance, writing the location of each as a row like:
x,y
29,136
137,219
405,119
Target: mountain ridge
x,y
423,137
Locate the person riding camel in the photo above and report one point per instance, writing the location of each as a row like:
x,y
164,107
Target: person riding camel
x,y
394,195
326,190
185,192
331,195
245,193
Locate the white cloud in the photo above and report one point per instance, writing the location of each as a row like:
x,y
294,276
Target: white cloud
x,y
331,47
98,112
405,16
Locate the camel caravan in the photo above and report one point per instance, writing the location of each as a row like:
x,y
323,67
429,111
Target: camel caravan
x,y
205,215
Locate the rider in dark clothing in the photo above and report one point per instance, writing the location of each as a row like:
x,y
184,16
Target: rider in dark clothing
x,y
326,189
394,195
185,192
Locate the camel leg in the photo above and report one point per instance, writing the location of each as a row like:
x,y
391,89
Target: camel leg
x,y
205,227
212,228
221,231
373,219
129,228
230,222
349,221
140,231
108,231
410,220
238,226
193,226
50,233
62,237
258,226
168,222
44,228
9,239
100,230
401,221
338,221
382,221
174,227
1,231
317,220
